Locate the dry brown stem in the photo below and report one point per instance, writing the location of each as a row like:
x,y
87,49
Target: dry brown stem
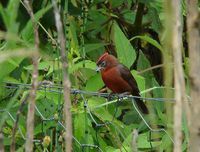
x,y
178,74
193,33
32,95
66,82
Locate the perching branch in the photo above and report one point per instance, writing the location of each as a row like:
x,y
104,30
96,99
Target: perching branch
x,y
193,33
66,82
32,96
178,73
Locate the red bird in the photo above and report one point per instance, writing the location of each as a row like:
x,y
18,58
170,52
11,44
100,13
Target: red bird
x,y
118,78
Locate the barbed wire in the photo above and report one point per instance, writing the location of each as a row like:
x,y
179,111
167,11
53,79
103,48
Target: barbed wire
x,y
59,89
47,86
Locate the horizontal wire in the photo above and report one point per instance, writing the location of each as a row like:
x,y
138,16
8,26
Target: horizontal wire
x,y
59,89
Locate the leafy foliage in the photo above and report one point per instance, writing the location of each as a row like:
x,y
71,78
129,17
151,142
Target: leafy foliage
x,y
94,26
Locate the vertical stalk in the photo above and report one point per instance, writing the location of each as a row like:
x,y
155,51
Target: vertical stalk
x,y
167,58
193,33
178,74
66,82
32,96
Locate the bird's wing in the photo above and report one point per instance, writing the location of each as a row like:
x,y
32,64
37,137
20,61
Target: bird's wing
x,y
128,77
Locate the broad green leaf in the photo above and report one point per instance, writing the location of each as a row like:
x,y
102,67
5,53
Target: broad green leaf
x,y
41,66
73,37
27,32
129,15
144,143
93,46
149,40
79,130
12,8
94,83
139,79
125,51
82,64
116,3
4,15
10,20
8,66
143,63
154,17
46,106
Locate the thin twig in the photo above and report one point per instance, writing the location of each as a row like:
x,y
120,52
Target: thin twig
x,y
151,68
66,82
32,96
12,147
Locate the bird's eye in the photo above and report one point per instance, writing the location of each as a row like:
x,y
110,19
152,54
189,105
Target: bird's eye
x,y
103,64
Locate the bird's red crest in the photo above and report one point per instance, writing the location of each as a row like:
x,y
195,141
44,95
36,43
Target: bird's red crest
x,y
102,57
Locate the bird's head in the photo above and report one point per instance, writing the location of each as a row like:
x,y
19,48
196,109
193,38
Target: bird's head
x,y
106,61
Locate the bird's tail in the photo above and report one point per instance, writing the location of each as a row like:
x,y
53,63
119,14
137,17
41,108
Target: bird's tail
x,y
142,107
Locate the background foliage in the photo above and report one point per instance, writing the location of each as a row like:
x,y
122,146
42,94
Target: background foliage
x,y
132,30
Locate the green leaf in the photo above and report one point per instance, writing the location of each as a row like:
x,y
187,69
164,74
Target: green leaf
x,y
12,8
27,32
79,130
86,64
143,63
129,16
125,51
73,36
116,3
4,15
150,40
8,66
144,143
96,79
139,79
93,46
154,17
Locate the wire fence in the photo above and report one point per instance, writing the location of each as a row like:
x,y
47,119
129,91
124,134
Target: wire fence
x,y
47,86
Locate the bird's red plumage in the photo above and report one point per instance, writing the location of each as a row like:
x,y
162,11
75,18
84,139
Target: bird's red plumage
x,y
119,79
114,81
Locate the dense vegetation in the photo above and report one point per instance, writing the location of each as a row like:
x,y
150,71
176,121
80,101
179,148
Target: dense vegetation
x,y
132,30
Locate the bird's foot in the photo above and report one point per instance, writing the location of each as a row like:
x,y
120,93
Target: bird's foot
x,y
122,95
111,96
119,96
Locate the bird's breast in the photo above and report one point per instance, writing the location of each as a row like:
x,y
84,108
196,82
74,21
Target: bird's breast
x,y
114,81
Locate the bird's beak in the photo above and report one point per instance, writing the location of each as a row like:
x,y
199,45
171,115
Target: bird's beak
x,y
98,69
